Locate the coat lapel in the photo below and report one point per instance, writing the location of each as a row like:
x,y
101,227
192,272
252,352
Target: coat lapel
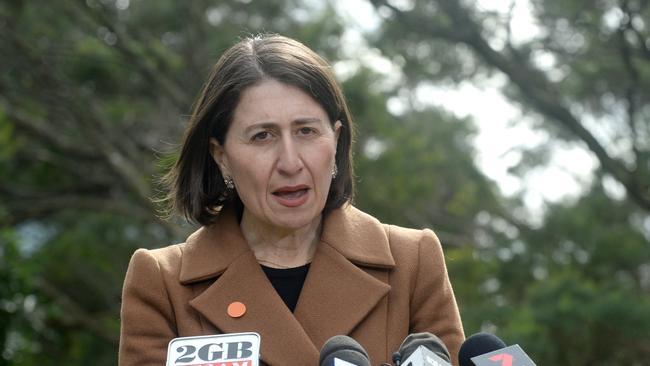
x,y
266,313
221,250
336,296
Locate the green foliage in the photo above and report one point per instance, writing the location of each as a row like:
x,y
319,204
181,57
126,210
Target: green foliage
x,y
416,169
576,293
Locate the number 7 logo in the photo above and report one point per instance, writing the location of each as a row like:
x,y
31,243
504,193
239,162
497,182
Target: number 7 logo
x,y
506,359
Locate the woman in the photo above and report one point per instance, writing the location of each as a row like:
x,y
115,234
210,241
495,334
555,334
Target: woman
x,y
265,168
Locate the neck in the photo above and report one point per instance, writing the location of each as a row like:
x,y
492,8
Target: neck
x,y
281,247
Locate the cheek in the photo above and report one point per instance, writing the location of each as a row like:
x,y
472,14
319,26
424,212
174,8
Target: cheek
x,y
325,159
251,174
248,170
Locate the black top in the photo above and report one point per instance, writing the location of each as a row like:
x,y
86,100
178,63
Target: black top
x,y
287,282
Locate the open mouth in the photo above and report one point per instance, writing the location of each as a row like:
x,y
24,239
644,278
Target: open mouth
x,y
291,194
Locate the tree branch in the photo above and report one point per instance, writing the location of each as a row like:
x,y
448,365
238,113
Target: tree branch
x,y
75,314
82,113
533,84
633,79
128,48
29,208
416,22
43,130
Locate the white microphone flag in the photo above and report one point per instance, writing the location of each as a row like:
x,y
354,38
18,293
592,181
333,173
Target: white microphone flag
x,y
232,349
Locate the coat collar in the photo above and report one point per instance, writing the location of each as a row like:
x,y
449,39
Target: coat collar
x,y
354,234
350,240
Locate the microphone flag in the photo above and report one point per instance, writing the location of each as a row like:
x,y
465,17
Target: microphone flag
x,y
424,357
340,362
509,356
231,349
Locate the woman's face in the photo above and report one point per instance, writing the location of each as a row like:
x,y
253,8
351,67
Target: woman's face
x,y
280,151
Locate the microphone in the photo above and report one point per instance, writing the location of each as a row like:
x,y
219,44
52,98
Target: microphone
x,y
483,349
422,349
222,349
476,345
342,350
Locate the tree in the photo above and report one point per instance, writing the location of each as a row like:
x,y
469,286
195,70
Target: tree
x,y
416,169
600,69
568,286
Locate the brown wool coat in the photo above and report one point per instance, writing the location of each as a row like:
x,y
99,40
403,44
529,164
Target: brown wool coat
x,y
374,282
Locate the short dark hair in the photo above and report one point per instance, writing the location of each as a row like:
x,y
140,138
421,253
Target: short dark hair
x,y
195,183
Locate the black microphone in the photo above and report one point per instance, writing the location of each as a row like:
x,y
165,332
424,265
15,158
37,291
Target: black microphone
x,y
344,351
485,349
420,349
476,345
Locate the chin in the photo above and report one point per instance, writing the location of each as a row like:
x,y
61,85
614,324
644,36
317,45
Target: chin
x,y
295,222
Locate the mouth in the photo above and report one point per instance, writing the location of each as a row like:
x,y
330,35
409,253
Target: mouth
x,y
291,192
291,195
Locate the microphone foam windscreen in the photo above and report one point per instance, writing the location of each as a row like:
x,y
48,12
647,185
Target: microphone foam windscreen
x,y
476,345
426,339
344,348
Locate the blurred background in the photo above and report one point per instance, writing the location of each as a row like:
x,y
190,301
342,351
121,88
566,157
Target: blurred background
x,y
518,130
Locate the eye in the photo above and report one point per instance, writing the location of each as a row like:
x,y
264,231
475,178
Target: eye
x,y
306,131
261,136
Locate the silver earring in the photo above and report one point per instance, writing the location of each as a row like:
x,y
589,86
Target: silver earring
x,y
230,184
335,171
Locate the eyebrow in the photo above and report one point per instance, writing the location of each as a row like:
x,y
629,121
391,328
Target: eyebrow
x,y
306,120
297,121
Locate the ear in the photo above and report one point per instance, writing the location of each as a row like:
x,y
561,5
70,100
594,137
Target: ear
x,y
219,155
337,130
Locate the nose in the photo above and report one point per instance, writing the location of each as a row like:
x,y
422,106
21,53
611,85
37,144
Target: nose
x,y
289,159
